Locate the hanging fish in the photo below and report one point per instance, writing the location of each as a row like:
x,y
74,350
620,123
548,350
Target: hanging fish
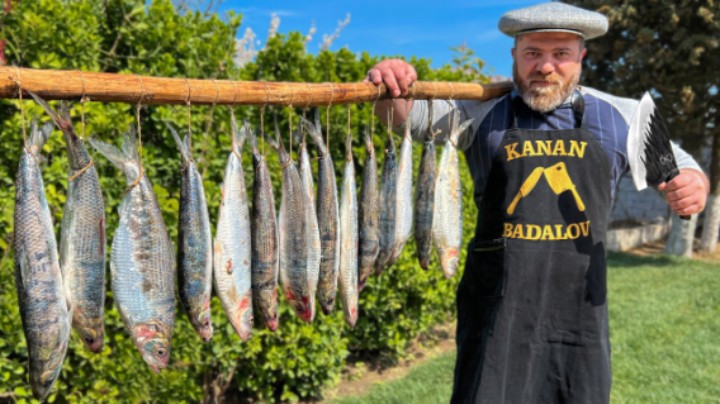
x,y
194,243
403,201
293,235
82,236
232,249
349,240
387,216
311,220
368,215
264,278
327,214
142,260
39,283
447,212
425,197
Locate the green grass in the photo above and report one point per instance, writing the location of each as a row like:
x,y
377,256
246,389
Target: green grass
x,y
664,330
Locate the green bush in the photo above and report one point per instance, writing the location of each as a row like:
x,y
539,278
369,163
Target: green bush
x,y
297,361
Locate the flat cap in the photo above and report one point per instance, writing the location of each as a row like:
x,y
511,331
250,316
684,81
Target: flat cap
x,y
554,17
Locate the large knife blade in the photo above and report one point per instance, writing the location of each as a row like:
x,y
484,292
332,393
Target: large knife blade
x,y
650,154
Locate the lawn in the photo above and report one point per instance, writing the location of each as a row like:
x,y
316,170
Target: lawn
x,y
665,334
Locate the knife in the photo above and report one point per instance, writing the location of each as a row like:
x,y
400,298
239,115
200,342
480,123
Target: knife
x,y
559,179
525,188
650,154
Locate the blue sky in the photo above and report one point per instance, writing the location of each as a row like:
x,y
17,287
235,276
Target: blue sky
x,y
393,27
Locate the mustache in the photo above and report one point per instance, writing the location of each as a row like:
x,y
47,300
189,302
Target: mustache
x,y
553,78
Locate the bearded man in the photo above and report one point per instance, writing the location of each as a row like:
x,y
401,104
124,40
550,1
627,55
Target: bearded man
x,y
546,160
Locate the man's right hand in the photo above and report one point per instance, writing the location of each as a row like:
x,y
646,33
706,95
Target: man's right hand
x,y
397,75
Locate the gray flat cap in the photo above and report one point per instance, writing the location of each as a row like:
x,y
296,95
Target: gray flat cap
x,y
554,17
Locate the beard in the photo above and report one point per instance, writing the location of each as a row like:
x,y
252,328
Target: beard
x,y
548,98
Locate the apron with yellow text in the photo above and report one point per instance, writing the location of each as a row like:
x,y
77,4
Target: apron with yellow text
x,y
532,313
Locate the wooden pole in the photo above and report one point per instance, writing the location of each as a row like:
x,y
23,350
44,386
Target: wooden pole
x,y
130,88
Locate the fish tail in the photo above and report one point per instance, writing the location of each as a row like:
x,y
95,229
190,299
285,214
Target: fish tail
x,y
183,144
121,158
238,134
38,137
252,139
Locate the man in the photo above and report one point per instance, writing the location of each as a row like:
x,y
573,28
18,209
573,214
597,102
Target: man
x,y
545,161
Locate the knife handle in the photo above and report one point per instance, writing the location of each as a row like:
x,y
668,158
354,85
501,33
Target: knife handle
x,y
674,173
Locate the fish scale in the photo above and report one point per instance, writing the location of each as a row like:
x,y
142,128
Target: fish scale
x,y
387,215
311,220
447,211
348,271
82,236
294,251
232,247
424,200
403,197
369,244
194,244
328,221
38,279
142,260
264,240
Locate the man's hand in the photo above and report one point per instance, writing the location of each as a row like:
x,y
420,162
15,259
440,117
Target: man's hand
x,y
397,75
687,193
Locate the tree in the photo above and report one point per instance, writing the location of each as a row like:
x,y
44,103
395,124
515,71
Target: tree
x,y
671,48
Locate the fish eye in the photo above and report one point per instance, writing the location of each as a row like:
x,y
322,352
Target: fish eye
x,y
89,339
160,352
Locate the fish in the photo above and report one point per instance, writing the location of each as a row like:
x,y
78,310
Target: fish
x,y
264,239
425,198
348,278
82,236
328,221
194,243
387,215
232,248
293,236
311,220
403,197
447,225
38,279
369,244
142,259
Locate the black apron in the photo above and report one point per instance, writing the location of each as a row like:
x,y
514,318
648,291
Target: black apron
x,y
532,315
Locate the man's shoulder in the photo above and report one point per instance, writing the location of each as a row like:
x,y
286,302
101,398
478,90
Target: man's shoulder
x,y
481,109
624,106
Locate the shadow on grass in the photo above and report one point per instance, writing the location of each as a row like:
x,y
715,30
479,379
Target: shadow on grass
x,y
616,259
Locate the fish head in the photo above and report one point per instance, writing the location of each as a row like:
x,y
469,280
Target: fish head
x,y
449,261
351,314
269,308
90,329
154,345
243,318
202,322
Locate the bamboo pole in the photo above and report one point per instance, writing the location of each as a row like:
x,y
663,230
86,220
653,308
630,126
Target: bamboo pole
x,y
130,88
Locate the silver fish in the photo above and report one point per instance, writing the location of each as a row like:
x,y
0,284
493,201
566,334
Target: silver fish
x,y
388,213
368,215
403,201
142,260
194,243
39,282
327,214
349,241
425,198
232,251
294,251
82,237
311,220
447,212
264,240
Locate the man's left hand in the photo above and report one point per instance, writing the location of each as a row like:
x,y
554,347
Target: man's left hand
x,y
687,193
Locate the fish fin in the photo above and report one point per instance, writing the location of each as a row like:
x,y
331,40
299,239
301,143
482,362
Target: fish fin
x,y
183,145
369,145
120,157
